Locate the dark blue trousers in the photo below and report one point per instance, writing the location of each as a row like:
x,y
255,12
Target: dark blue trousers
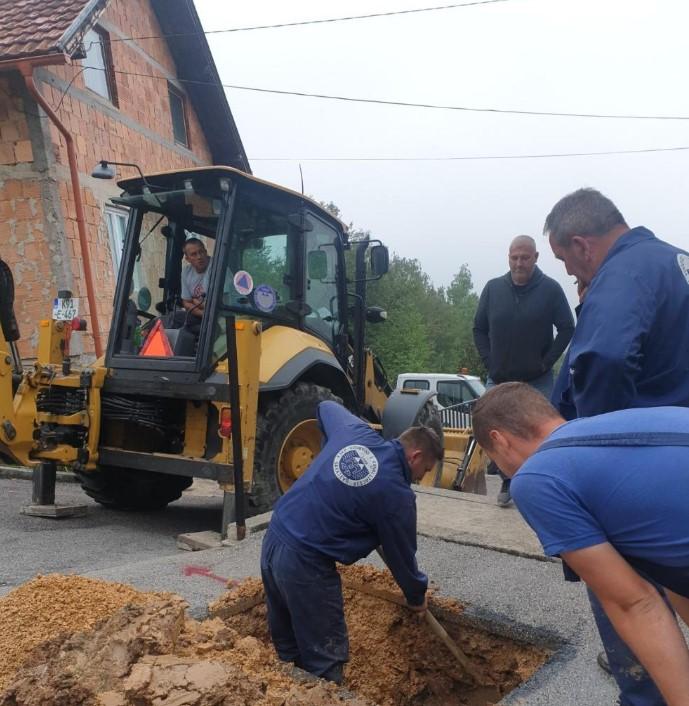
x,y
305,608
635,685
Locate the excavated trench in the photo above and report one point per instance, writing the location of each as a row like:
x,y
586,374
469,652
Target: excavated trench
x,y
71,640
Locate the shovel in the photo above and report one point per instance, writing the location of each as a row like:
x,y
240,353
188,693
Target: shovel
x,y
439,631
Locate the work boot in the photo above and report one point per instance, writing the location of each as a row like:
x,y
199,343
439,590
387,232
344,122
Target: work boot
x,y
334,674
504,496
603,663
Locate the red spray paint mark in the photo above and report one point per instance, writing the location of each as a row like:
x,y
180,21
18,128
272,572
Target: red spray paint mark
x,y
204,571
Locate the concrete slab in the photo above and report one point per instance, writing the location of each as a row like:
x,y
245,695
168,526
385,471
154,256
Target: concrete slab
x,y
198,541
54,511
254,524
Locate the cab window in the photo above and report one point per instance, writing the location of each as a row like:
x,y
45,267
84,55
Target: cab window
x,y
321,294
416,385
453,392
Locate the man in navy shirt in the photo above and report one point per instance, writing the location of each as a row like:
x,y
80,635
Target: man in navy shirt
x,y
355,496
609,495
630,346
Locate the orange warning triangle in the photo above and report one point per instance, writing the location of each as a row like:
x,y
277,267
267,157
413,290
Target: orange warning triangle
x,y
156,343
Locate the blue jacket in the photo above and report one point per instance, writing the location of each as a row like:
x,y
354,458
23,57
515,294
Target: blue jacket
x,y
631,343
355,496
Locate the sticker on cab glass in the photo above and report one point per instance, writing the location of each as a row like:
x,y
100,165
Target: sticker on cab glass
x,y
355,465
243,283
265,297
683,262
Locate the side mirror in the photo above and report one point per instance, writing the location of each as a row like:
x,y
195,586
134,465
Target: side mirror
x,y
380,260
103,170
317,265
376,315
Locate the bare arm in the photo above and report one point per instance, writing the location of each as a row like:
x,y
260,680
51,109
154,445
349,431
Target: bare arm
x,y
680,604
194,306
640,617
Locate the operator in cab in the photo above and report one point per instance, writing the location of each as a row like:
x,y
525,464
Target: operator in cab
x,y
195,279
355,496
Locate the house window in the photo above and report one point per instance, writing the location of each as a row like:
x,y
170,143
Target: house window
x,y
100,76
116,221
179,119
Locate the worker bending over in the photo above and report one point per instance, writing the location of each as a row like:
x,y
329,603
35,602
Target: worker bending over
x,y
609,495
355,496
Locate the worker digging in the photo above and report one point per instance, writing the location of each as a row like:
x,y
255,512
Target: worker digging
x,y
355,496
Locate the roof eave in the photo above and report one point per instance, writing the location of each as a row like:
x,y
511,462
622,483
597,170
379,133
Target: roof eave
x,y
73,35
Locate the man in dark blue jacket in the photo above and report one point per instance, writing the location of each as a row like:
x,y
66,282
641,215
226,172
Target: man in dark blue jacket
x,y
513,326
630,347
355,496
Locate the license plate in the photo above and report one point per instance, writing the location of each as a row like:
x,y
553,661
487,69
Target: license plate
x,y
65,309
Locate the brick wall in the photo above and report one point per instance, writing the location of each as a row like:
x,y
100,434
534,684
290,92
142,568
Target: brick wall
x,y
37,213
26,244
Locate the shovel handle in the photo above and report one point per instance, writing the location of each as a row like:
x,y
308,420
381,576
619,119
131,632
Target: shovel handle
x,y
439,631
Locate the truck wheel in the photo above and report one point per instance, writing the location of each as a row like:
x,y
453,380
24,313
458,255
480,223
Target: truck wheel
x,y
287,440
128,489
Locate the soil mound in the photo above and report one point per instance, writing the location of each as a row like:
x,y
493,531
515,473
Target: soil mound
x,y
149,653
70,641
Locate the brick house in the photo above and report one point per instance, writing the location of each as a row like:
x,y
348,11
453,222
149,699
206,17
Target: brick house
x,y
150,95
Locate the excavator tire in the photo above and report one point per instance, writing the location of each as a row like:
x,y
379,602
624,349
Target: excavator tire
x,y
131,490
287,439
429,416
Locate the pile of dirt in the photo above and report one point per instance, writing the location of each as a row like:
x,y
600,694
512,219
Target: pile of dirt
x,y
394,658
147,652
91,643
47,606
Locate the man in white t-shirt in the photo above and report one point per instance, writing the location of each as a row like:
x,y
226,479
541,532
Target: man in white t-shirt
x,y
195,277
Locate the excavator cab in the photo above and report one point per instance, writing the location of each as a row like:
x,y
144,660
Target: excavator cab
x,y
272,257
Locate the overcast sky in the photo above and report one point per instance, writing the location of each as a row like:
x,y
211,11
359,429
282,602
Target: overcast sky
x,y
583,56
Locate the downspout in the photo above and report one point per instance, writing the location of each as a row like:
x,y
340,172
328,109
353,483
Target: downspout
x,y
26,69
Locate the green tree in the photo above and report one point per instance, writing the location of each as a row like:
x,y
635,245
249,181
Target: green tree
x,y
428,329
401,342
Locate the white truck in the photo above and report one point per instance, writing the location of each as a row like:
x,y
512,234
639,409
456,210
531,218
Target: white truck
x,y
453,392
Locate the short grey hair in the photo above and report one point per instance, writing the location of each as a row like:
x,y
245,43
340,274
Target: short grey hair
x,y
523,240
583,212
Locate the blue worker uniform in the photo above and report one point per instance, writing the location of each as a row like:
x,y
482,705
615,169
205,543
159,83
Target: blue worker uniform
x,y
622,478
630,349
631,343
355,496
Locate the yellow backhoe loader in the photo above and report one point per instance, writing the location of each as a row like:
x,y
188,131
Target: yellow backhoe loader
x,y
232,386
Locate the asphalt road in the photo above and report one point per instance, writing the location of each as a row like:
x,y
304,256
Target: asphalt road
x,y
100,540
511,595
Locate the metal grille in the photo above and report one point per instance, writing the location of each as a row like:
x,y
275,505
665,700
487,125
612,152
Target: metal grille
x,y
458,416
61,400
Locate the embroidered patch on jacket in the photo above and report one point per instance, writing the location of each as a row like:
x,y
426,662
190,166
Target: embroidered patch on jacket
x,y
355,465
683,262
